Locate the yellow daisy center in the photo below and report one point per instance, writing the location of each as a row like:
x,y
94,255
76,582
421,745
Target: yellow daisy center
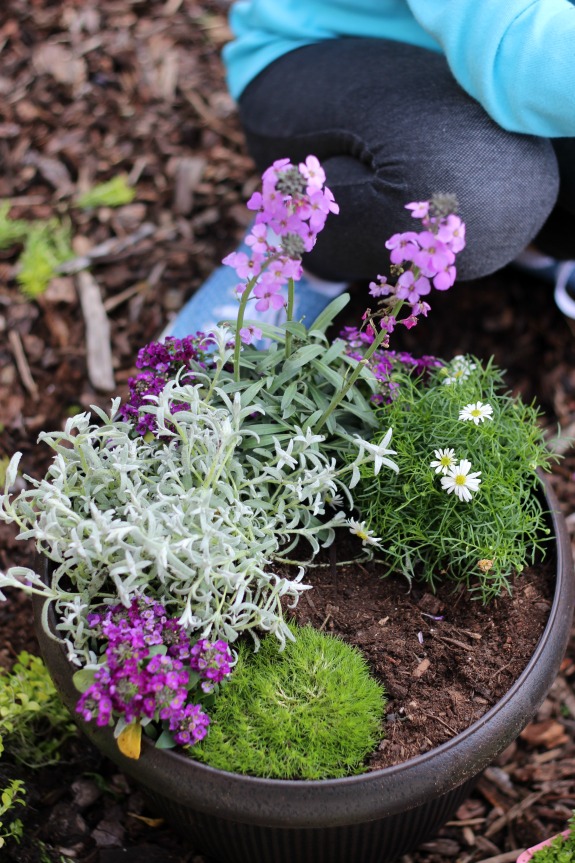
x,y
460,479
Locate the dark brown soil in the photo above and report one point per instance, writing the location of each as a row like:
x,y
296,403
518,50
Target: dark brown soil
x,y
444,659
145,95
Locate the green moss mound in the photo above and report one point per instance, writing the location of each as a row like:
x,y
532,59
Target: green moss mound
x,y
311,711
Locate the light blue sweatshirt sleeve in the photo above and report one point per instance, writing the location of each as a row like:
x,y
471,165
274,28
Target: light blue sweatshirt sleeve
x,y
516,57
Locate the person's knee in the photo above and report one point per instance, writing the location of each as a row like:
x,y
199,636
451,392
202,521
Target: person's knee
x,y
504,201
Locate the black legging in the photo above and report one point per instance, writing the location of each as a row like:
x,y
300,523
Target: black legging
x,y
391,125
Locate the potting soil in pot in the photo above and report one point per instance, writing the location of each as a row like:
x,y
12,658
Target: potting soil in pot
x,y
444,658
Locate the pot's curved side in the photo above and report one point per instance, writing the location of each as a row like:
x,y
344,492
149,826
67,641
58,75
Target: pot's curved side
x,y
428,786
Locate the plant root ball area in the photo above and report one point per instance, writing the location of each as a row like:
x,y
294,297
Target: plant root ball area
x,y
444,659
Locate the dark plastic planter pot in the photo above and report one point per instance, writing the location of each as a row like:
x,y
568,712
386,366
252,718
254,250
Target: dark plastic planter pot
x,y
373,817
527,855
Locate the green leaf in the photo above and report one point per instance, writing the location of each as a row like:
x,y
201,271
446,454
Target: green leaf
x,y
334,378
165,741
325,318
251,392
296,328
84,678
288,396
301,357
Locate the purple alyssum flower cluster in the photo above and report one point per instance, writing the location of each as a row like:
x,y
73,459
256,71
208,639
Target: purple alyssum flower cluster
x,y
290,211
151,671
160,362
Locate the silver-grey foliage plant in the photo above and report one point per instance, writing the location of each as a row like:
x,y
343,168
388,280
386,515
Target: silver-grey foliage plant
x,y
196,521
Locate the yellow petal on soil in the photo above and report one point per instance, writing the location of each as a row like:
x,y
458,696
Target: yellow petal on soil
x,y
130,740
151,822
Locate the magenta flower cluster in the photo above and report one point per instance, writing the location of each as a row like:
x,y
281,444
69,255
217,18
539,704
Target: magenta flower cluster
x,y
152,672
290,211
160,361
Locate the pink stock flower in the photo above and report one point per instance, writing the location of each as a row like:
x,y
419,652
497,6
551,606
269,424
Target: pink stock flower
x,y
250,334
313,172
420,308
444,278
257,239
410,287
268,297
434,255
381,288
451,231
245,266
403,247
419,209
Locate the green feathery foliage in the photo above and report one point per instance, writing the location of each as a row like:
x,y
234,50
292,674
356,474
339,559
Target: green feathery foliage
x,y
426,532
311,711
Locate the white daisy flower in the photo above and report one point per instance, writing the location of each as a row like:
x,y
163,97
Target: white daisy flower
x,y
460,481
459,369
444,459
476,412
365,534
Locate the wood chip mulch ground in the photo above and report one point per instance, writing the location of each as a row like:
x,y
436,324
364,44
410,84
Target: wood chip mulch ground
x,y
92,90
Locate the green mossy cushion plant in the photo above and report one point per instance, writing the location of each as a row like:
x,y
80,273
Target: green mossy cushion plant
x,y
311,711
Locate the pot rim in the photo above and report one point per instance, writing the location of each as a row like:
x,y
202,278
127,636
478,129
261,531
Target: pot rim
x,y
384,792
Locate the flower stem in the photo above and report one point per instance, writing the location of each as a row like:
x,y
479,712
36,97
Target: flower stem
x,y
339,396
289,314
239,324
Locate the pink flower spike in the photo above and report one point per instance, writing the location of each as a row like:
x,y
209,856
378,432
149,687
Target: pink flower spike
x,y
409,322
250,334
419,209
